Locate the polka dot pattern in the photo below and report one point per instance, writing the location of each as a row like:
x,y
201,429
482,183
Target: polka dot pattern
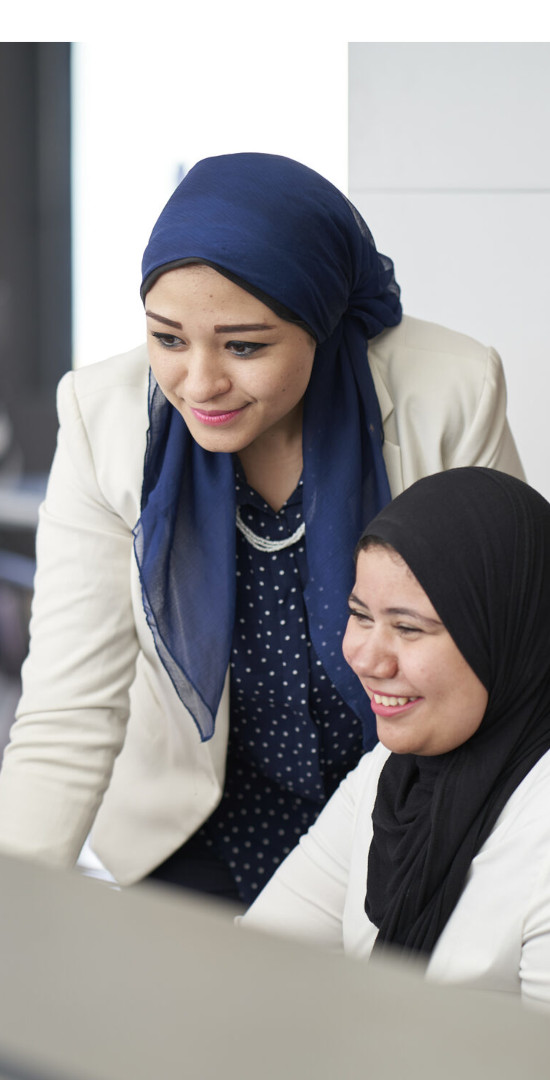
x,y
292,738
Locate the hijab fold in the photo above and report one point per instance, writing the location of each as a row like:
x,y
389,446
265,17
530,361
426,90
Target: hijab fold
x,y
478,542
284,232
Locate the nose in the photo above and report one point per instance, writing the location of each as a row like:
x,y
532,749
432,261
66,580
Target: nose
x,y
204,377
368,652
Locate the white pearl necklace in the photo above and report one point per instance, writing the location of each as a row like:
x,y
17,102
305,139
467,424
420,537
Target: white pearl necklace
x,y
260,543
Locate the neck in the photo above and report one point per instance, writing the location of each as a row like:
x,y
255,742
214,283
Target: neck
x,y
273,467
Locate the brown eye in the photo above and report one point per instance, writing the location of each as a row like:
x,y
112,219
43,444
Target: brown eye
x,y
169,341
244,348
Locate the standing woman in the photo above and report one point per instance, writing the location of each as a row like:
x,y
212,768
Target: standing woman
x,y
194,545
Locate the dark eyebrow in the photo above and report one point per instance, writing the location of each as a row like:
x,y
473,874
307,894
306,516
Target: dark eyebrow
x,y
410,612
243,326
230,329
355,600
412,615
160,318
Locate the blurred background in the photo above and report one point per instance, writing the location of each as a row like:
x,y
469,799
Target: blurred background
x,y
443,147
35,316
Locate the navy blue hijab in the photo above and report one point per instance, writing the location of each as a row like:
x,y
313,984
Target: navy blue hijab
x,y
291,238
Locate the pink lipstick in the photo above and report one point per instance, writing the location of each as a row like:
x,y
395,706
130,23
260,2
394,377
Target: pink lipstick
x,y
215,417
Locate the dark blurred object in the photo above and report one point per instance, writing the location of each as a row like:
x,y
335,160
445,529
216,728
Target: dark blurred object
x,y
14,621
11,457
35,316
35,240
19,502
20,498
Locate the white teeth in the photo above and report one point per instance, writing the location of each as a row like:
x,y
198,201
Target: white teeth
x,y
383,699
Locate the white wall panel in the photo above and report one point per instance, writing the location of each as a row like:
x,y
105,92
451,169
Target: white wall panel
x,y
469,253
448,115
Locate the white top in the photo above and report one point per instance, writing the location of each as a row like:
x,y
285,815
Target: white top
x,y
498,937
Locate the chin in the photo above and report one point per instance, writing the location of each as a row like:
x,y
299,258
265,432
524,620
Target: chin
x,y
399,743
216,441
397,747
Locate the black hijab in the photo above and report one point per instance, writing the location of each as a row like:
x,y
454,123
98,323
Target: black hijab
x,y
478,542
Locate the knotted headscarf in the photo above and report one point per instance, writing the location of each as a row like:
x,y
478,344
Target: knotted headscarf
x,y
478,542
286,234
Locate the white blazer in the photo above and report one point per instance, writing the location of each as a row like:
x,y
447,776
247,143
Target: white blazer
x,y
101,737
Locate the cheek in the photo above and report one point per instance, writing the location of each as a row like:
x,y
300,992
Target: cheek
x,y
478,700
467,697
283,393
306,371
165,372
298,368
155,362
284,382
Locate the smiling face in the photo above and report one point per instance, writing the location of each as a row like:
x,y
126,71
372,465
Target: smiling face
x,y
235,371
426,698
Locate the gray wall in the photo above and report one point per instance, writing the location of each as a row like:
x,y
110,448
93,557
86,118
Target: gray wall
x,y
450,166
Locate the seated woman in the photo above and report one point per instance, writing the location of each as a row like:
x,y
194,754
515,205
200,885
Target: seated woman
x,y
438,843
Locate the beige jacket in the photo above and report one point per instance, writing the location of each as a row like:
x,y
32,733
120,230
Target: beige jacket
x,y
102,738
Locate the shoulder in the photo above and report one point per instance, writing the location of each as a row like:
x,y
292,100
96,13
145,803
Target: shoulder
x,y
423,353
126,372
530,802
523,825
416,336
521,838
442,399
110,392
103,415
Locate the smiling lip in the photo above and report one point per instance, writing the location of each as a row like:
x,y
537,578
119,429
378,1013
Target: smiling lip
x,y
215,416
379,709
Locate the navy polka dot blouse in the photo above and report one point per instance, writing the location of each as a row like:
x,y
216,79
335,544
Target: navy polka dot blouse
x,y
292,738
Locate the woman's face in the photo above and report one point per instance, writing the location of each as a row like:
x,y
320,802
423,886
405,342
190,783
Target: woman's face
x,y
426,698
235,371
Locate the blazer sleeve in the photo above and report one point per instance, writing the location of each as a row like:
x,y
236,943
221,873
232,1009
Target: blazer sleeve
x,y
72,716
